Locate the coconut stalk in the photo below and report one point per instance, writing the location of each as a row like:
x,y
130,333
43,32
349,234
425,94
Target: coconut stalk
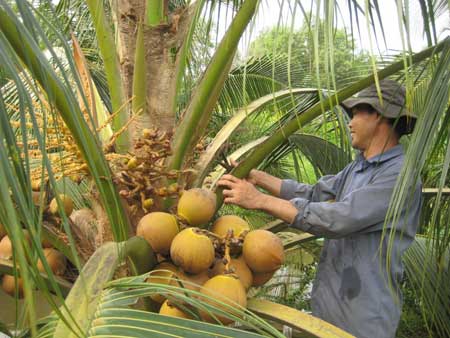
x,y
68,107
259,153
107,46
155,12
7,267
183,54
208,157
139,77
199,110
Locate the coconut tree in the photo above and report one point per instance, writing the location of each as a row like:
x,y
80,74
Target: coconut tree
x,y
125,141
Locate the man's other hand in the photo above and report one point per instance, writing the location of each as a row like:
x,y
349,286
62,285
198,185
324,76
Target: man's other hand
x,y
240,192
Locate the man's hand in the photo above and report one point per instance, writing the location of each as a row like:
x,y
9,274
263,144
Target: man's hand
x,y
240,192
251,177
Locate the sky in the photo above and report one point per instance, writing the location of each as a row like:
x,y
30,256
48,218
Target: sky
x,y
269,16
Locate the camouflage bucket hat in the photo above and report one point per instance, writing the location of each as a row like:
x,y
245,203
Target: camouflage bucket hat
x,y
393,107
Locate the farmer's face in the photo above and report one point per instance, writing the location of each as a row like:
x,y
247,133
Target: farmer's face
x,y
363,127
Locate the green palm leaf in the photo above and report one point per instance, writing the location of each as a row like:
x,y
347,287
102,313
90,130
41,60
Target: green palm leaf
x,y
208,157
430,281
63,98
324,155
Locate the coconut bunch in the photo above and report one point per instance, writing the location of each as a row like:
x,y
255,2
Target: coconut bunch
x,y
54,259
221,263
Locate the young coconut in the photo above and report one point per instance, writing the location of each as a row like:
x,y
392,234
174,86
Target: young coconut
x,y
6,248
67,204
192,251
171,310
229,222
55,260
9,285
197,206
192,282
226,289
262,278
159,230
263,251
37,197
238,267
164,273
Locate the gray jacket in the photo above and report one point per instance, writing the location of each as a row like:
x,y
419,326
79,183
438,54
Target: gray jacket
x,y
354,289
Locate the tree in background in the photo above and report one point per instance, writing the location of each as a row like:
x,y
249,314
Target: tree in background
x,y
341,63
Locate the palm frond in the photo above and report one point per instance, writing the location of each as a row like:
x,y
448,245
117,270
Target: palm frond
x,y
429,278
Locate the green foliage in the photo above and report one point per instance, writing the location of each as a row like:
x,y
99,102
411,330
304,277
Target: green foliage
x,y
412,324
291,287
299,47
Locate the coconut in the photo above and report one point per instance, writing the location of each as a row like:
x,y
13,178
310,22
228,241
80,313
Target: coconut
x,y
37,196
46,243
55,260
226,289
9,286
238,267
158,229
192,251
164,273
6,248
170,310
229,222
36,185
263,251
197,206
67,203
262,278
194,282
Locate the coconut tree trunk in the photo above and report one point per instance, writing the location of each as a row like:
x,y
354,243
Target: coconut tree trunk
x,y
162,41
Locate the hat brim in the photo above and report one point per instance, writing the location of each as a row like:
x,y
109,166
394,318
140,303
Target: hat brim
x,y
406,119
388,110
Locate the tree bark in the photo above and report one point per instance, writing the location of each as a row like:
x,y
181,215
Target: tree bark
x,y
162,43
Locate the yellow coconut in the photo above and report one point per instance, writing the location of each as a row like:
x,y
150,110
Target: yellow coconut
x,y
197,206
193,282
158,229
37,196
262,278
229,222
263,251
226,289
36,185
170,310
46,243
55,260
239,267
192,251
164,273
67,203
9,286
6,248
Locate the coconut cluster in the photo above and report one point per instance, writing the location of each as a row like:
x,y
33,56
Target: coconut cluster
x,y
54,259
221,263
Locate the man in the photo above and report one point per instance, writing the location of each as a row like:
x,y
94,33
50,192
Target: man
x,y
354,289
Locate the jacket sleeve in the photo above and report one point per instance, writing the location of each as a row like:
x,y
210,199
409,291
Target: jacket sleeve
x,y
324,190
356,212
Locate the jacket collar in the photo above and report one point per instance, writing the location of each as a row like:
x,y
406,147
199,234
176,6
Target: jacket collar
x,y
381,157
